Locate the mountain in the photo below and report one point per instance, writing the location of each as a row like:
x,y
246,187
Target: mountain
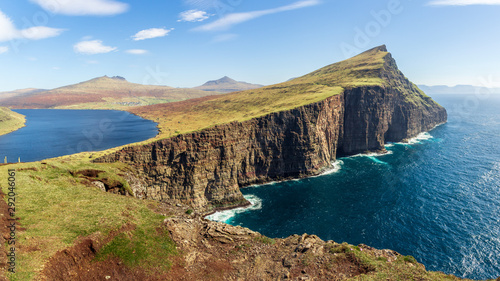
x,y
101,93
227,85
10,121
210,147
18,93
458,89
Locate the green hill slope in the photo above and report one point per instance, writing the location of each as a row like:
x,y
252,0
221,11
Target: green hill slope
x,y
10,121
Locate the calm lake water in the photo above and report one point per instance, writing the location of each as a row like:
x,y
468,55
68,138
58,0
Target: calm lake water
x,y
52,133
437,199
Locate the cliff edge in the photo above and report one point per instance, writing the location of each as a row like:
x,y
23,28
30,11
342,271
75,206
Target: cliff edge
x,y
210,147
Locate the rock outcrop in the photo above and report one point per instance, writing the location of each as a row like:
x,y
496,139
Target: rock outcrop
x,y
206,168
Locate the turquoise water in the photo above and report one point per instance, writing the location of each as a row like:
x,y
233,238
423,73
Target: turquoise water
x,y
51,133
437,198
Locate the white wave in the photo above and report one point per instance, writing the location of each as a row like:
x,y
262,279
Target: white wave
x,y
373,154
377,160
226,215
419,138
336,166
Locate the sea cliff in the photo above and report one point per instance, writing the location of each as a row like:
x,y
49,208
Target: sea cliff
x,y
206,168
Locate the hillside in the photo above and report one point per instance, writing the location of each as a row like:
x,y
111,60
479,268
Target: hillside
x,y
10,121
367,69
19,93
227,85
102,93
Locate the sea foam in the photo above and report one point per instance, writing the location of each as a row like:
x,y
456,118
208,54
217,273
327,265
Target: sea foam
x,y
226,215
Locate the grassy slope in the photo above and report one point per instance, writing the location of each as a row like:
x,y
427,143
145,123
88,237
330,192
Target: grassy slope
x,y
103,93
10,121
56,207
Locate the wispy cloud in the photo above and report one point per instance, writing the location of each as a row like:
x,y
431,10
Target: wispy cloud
x,y
8,31
224,37
4,49
193,16
92,47
151,33
83,7
136,52
236,18
463,2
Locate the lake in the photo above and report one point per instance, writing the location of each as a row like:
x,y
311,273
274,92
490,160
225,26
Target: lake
x,y
51,133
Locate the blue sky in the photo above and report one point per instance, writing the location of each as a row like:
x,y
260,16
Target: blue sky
x,y
184,43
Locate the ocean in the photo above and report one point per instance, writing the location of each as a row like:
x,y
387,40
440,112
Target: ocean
x,y
436,198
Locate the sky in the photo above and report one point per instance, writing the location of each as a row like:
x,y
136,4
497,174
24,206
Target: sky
x,y
184,43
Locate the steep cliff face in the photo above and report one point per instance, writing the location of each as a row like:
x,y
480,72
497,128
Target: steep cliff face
x,y
206,168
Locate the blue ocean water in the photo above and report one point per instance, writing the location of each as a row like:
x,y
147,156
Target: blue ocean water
x,y
437,198
51,133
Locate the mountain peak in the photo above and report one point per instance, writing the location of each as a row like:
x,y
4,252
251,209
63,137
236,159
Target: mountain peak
x,y
223,80
227,85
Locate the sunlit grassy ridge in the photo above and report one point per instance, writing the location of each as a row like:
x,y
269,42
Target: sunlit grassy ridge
x,y
10,121
197,114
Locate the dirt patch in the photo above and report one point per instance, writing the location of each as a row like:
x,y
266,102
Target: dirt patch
x,y
77,263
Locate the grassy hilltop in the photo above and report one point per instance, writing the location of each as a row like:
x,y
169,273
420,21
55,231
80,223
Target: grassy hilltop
x,y
10,121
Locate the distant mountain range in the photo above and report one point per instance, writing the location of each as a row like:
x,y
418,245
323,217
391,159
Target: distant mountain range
x,y
98,93
227,85
114,93
459,89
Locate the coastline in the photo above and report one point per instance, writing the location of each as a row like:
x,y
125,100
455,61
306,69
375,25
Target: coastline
x,y
14,122
335,167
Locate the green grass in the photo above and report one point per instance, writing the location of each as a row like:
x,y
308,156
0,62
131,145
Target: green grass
x,y
57,207
265,240
10,121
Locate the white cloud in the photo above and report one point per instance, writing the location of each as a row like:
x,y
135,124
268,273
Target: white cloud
x,y
92,47
40,32
8,31
151,33
83,7
4,49
463,2
136,52
236,18
193,16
